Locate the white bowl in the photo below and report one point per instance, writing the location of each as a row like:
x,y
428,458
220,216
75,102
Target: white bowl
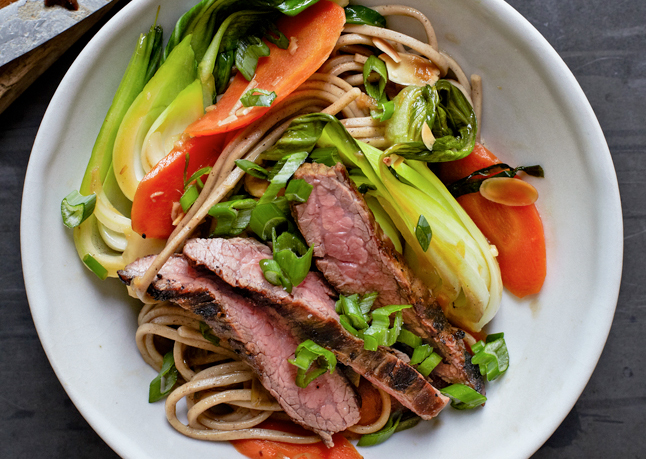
x,y
534,113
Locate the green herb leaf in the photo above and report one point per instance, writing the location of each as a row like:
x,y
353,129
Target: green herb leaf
x,y
384,111
250,49
263,98
362,15
76,208
306,354
208,335
96,267
163,383
423,233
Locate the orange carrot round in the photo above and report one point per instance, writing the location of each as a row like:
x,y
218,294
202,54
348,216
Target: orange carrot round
x,y
516,231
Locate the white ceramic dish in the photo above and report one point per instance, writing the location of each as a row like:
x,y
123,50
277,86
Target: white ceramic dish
x,y
534,112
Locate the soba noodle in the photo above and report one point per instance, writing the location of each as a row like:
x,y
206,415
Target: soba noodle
x,y
224,400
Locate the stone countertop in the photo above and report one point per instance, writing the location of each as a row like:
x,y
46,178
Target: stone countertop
x,y
603,43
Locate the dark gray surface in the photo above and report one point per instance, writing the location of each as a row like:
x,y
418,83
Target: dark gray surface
x,y
603,43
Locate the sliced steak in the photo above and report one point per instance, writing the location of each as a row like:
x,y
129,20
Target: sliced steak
x,y
262,337
311,309
354,257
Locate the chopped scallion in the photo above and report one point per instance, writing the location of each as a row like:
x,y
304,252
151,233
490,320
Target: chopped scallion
x,y
492,357
379,333
249,50
208,335
429,364
252,168
196,176
76,208
292,255
305,355
298,190
274,274
384,434
409,338
420,353
257,97
266,217
463,397
374,65
189,197
163,383
281,173
96,267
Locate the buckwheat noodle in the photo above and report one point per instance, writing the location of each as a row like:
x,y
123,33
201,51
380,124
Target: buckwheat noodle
x,y
224,401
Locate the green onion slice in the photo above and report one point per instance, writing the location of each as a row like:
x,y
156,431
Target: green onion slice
x,y
385,110
189,197
208,335
379,333
357,14
197,175
274,274
305,355
76,208
409,338
384,434
96,267
420,353
349,306
429,364
233,216
163,383
250,49
275,36
298,190
251,168
281,173
293,256
257,97
375,90
492,357
463,397
423,233
366,302
267,217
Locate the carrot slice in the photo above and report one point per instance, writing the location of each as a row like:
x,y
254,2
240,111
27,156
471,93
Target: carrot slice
x,y
163,185
312,34
516,231
267,449
370,403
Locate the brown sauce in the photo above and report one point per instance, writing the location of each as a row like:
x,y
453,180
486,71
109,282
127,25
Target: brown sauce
x,y
72,5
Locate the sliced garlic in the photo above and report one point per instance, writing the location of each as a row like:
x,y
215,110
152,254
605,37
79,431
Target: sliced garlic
x,y
387,48
508,191
255,186
427,136
411,70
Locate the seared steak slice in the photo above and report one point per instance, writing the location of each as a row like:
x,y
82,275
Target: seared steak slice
x,y
311,309
354,257
262,337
